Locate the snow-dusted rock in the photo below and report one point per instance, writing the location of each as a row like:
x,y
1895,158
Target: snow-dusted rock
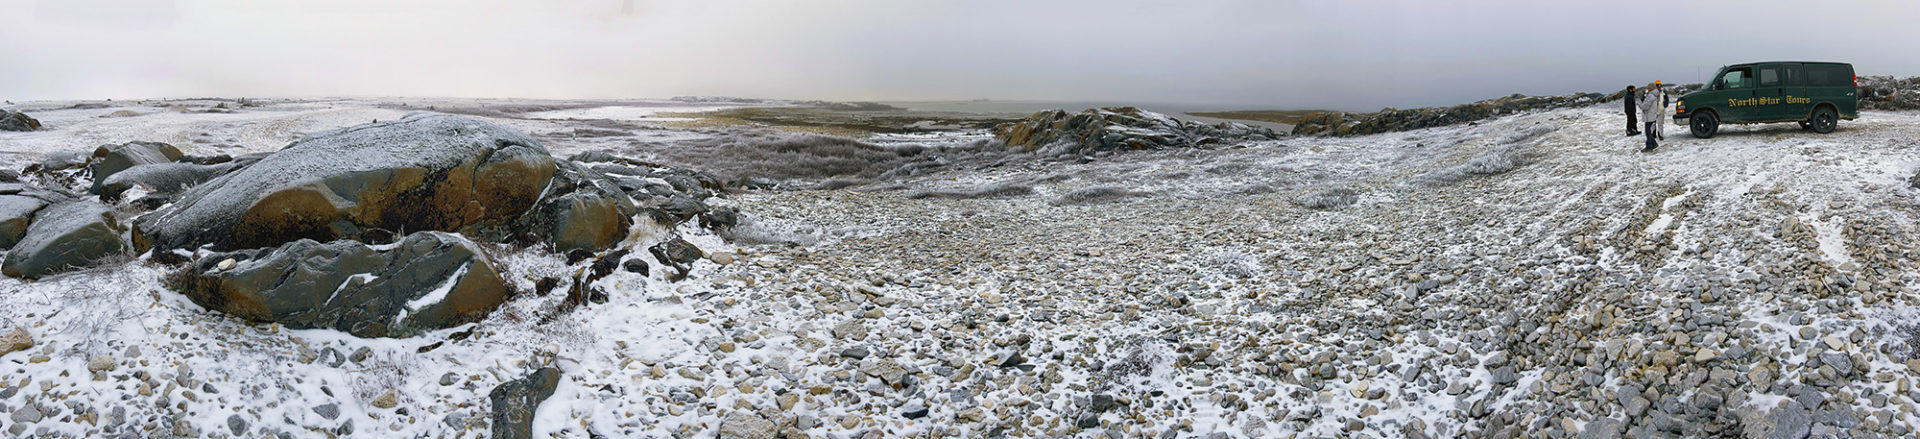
x,y
16,212
1121,128
426,281
426,171
742,424
582,210
16,121
15,341
62,237
1391,119
161,179
110,160
514,402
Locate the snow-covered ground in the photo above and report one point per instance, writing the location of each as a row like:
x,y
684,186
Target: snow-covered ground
x,y
1535,272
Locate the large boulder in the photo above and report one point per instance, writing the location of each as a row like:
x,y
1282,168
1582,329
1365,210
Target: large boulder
x,y
426,171
109,160
515,402
1121,128
17,121
62,237
428,280
159,179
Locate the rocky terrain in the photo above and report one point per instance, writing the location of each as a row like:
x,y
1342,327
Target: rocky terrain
x,y
1531,275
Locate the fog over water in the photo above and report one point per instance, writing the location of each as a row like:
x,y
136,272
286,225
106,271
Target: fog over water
x,y
1358,55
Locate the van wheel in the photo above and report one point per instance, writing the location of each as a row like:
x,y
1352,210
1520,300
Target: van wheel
x,y
1704,124
1824,120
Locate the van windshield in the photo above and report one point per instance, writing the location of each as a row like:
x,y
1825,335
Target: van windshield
x,y
1737,78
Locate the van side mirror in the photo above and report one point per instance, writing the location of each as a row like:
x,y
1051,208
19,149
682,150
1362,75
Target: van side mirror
x,y
1719,85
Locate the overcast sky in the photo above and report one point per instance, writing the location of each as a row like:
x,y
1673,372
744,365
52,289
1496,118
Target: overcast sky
x,y
1353,55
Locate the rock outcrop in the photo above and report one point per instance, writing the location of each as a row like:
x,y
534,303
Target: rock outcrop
x,y
1885,93
428,280
1121,128
17,121
62,237
582,210
1334,123
109,160
426,171
514,402
159,179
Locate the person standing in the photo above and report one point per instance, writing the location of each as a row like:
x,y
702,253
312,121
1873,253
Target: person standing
x,y
1633,124
1651,108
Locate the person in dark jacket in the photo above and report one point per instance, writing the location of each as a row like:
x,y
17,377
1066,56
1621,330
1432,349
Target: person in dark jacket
x,y
1633,126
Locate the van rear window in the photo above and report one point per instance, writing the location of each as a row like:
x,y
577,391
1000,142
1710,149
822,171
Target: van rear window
x,y
1829,75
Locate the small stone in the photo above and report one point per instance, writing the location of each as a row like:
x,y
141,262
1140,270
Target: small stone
x,y
1834,343
856,352
237,424
1504,375
329,410
227,264
449,379
360,355
1704,355
742,424
914,411
974,414
635,265
1088,421
722,258
1102,402
132,352
27,414
101,363
387,400
727,347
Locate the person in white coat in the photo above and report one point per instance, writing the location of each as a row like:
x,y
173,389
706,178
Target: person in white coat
x,y
1652,106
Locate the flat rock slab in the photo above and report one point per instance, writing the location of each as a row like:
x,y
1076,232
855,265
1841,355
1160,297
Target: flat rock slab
x,y
63,237
426,281
426,171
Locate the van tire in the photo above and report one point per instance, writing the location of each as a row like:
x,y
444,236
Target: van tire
x,y
1824,120
1704,124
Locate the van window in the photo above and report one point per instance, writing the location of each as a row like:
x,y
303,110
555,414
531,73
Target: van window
x,y
1738,78
1828,75
1769,76
1796,75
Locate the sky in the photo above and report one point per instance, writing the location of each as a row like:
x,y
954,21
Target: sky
x,y
1345,55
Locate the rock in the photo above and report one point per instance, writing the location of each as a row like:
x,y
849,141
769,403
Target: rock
x,y
742,424
423,172
160,179
16,212
584,210
17,121
856,352
1120,128
101,363
677,253
914,411
635,265
1504,375
1088,421
387,400
27,414
886,370
514,402
1102,402
1603,428
110,160
237,424
428,280
62,237
1791,421
329,410
15,341
1389,120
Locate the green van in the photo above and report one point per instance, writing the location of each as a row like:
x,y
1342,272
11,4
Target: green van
x,y
1815,94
